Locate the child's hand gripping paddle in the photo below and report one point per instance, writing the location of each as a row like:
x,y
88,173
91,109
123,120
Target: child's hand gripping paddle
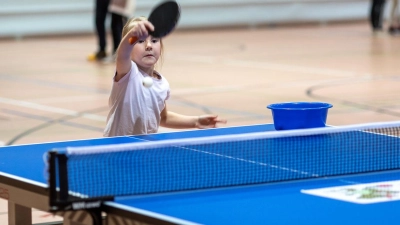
x,y
164,17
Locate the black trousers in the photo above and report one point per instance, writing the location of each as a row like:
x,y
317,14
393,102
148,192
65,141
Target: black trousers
x,y
376,13
117,23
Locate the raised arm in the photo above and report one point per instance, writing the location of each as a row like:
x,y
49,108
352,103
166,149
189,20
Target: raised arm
x,y
140,30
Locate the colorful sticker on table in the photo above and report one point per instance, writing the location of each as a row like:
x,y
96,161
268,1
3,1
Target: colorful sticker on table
x,y
361,193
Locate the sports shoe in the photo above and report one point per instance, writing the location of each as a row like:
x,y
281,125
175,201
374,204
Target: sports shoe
x,y
108,59
394,30
98,56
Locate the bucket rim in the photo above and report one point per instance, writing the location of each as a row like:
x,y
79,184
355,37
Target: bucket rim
x,y
286,105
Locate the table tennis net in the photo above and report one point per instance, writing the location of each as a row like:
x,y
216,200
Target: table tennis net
x,y
229,160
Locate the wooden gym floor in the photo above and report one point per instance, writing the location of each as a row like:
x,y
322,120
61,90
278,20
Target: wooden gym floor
x,y
49,92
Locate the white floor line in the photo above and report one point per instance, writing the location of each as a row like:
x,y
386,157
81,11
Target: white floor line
x,y
268,66
208,90
51,109
69,99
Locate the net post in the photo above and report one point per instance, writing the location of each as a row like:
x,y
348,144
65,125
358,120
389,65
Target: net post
x,y
52,155
57,172
63,175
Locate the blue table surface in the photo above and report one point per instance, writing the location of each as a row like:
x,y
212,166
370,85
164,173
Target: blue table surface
x,y
275,203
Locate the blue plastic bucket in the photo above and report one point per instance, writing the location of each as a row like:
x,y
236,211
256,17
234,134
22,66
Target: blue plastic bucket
x,y
299,115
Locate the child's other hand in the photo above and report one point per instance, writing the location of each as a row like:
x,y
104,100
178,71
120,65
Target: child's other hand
x,y
208,121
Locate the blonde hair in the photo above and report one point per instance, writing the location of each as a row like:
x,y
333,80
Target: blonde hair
x,y
130,24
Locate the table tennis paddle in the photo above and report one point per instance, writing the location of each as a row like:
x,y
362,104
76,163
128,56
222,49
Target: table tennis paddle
x,y
164,17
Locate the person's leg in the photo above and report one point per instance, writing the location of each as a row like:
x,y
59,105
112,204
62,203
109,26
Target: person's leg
x,y
100,20
380,13
373,14
117,24
393,17
376,14
397,18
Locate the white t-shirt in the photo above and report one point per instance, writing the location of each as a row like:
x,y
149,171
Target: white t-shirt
x,y
135,109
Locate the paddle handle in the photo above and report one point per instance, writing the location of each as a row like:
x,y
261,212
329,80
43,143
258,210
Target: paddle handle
x,y
132,40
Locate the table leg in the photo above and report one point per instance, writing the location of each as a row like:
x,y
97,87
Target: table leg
x,y
18,214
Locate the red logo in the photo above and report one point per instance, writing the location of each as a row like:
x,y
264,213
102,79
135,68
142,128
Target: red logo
x,y
4,193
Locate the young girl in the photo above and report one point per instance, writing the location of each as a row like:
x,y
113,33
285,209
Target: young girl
x,y
135,109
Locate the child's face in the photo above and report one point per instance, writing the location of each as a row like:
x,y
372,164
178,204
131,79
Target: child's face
x,y
146,52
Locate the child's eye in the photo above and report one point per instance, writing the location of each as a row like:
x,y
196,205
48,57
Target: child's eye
x,y
141,41
155,40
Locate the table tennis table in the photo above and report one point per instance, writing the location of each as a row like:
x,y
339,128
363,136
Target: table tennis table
x,y
23,183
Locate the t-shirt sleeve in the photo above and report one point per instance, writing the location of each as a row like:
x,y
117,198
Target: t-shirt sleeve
x,y
132,72
119,87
